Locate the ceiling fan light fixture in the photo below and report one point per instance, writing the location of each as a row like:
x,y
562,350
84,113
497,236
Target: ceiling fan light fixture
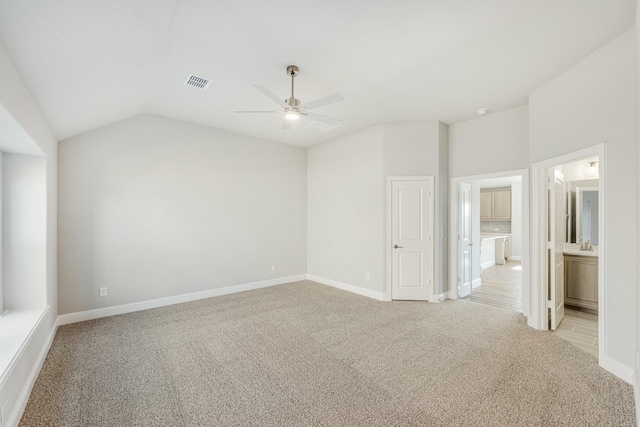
x,y
291,115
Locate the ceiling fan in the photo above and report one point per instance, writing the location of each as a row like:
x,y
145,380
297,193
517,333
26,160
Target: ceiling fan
x,y
293,110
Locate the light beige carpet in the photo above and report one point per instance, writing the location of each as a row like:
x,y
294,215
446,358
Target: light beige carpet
x,y
303,354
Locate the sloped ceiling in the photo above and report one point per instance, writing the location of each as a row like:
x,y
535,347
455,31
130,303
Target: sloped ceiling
x,y
91,63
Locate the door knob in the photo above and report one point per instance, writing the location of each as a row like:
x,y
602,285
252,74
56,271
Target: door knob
x,y
396,246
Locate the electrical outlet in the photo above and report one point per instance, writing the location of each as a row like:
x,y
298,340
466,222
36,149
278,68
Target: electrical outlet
x,y
367,276
273,267
103,292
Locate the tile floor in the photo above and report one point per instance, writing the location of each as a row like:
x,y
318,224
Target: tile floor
x,y
580,329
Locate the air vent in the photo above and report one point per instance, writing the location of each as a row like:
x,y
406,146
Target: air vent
x,y
197,82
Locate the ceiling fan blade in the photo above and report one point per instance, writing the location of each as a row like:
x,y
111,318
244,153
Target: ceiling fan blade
x,y
331,99
322,119
272,95
258,111
287,124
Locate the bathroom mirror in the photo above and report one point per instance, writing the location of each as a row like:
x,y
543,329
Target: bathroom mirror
x,y
586,209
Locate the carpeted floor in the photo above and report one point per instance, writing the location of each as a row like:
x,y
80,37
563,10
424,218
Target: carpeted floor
x,y
304,354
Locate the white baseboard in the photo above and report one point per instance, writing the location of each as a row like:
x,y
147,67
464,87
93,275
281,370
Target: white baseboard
x,y
347,287
618,369
487,264
515,258
477,282
98,313
445,296
21,401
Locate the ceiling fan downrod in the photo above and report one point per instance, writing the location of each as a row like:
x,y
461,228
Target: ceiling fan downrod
x,y
293,71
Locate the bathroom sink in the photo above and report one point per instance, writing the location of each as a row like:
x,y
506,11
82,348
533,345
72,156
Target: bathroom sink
x,y
574,249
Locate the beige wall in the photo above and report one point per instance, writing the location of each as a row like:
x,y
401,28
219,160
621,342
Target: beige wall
x,y
595,102
496,142
152,207
347,199
346,209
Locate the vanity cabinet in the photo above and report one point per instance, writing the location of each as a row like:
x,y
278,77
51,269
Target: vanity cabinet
x,y
495,204
581,281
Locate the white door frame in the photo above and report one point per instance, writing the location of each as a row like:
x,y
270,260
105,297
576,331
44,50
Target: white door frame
x,y
389,252
539,295
453,232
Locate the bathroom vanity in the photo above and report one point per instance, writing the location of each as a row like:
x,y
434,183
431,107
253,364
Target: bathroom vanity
x,y
580,277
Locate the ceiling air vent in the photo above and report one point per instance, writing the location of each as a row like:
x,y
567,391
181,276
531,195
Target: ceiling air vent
x,y
197,82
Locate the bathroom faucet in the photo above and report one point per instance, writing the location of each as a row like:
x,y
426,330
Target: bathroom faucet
x,y
586,246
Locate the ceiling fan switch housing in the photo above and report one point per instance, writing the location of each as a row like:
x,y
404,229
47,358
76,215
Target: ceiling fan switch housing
x,y
293,102
293,70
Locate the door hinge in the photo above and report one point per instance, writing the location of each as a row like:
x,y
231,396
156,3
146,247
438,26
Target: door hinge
x,y
549,304
550,245
551,186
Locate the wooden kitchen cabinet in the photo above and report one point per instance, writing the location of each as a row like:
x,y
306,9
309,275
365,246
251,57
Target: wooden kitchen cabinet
x,y
485,206
495,204
581,281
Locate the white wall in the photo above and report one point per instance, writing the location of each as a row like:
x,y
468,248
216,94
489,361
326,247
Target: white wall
x,y
496,142
152,207
25,238
24,132
595,101
346,209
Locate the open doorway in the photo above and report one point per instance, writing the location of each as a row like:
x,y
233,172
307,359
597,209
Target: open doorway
x,y
573,259
489,240
568,234
498,217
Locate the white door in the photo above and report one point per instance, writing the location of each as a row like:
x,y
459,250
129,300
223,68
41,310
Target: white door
x,y
556,240
412,212
465,218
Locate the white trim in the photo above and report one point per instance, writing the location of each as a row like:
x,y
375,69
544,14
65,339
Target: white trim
x,y
539,316
98,313
618,369
477,282
25,344
488,264
444,296
387,294
453,231
515,258
380,296
14,417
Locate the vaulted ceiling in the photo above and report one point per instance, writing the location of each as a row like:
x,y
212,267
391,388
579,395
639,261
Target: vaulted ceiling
x,y
92,63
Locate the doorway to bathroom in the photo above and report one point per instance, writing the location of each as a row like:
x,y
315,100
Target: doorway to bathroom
x,y
568,234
